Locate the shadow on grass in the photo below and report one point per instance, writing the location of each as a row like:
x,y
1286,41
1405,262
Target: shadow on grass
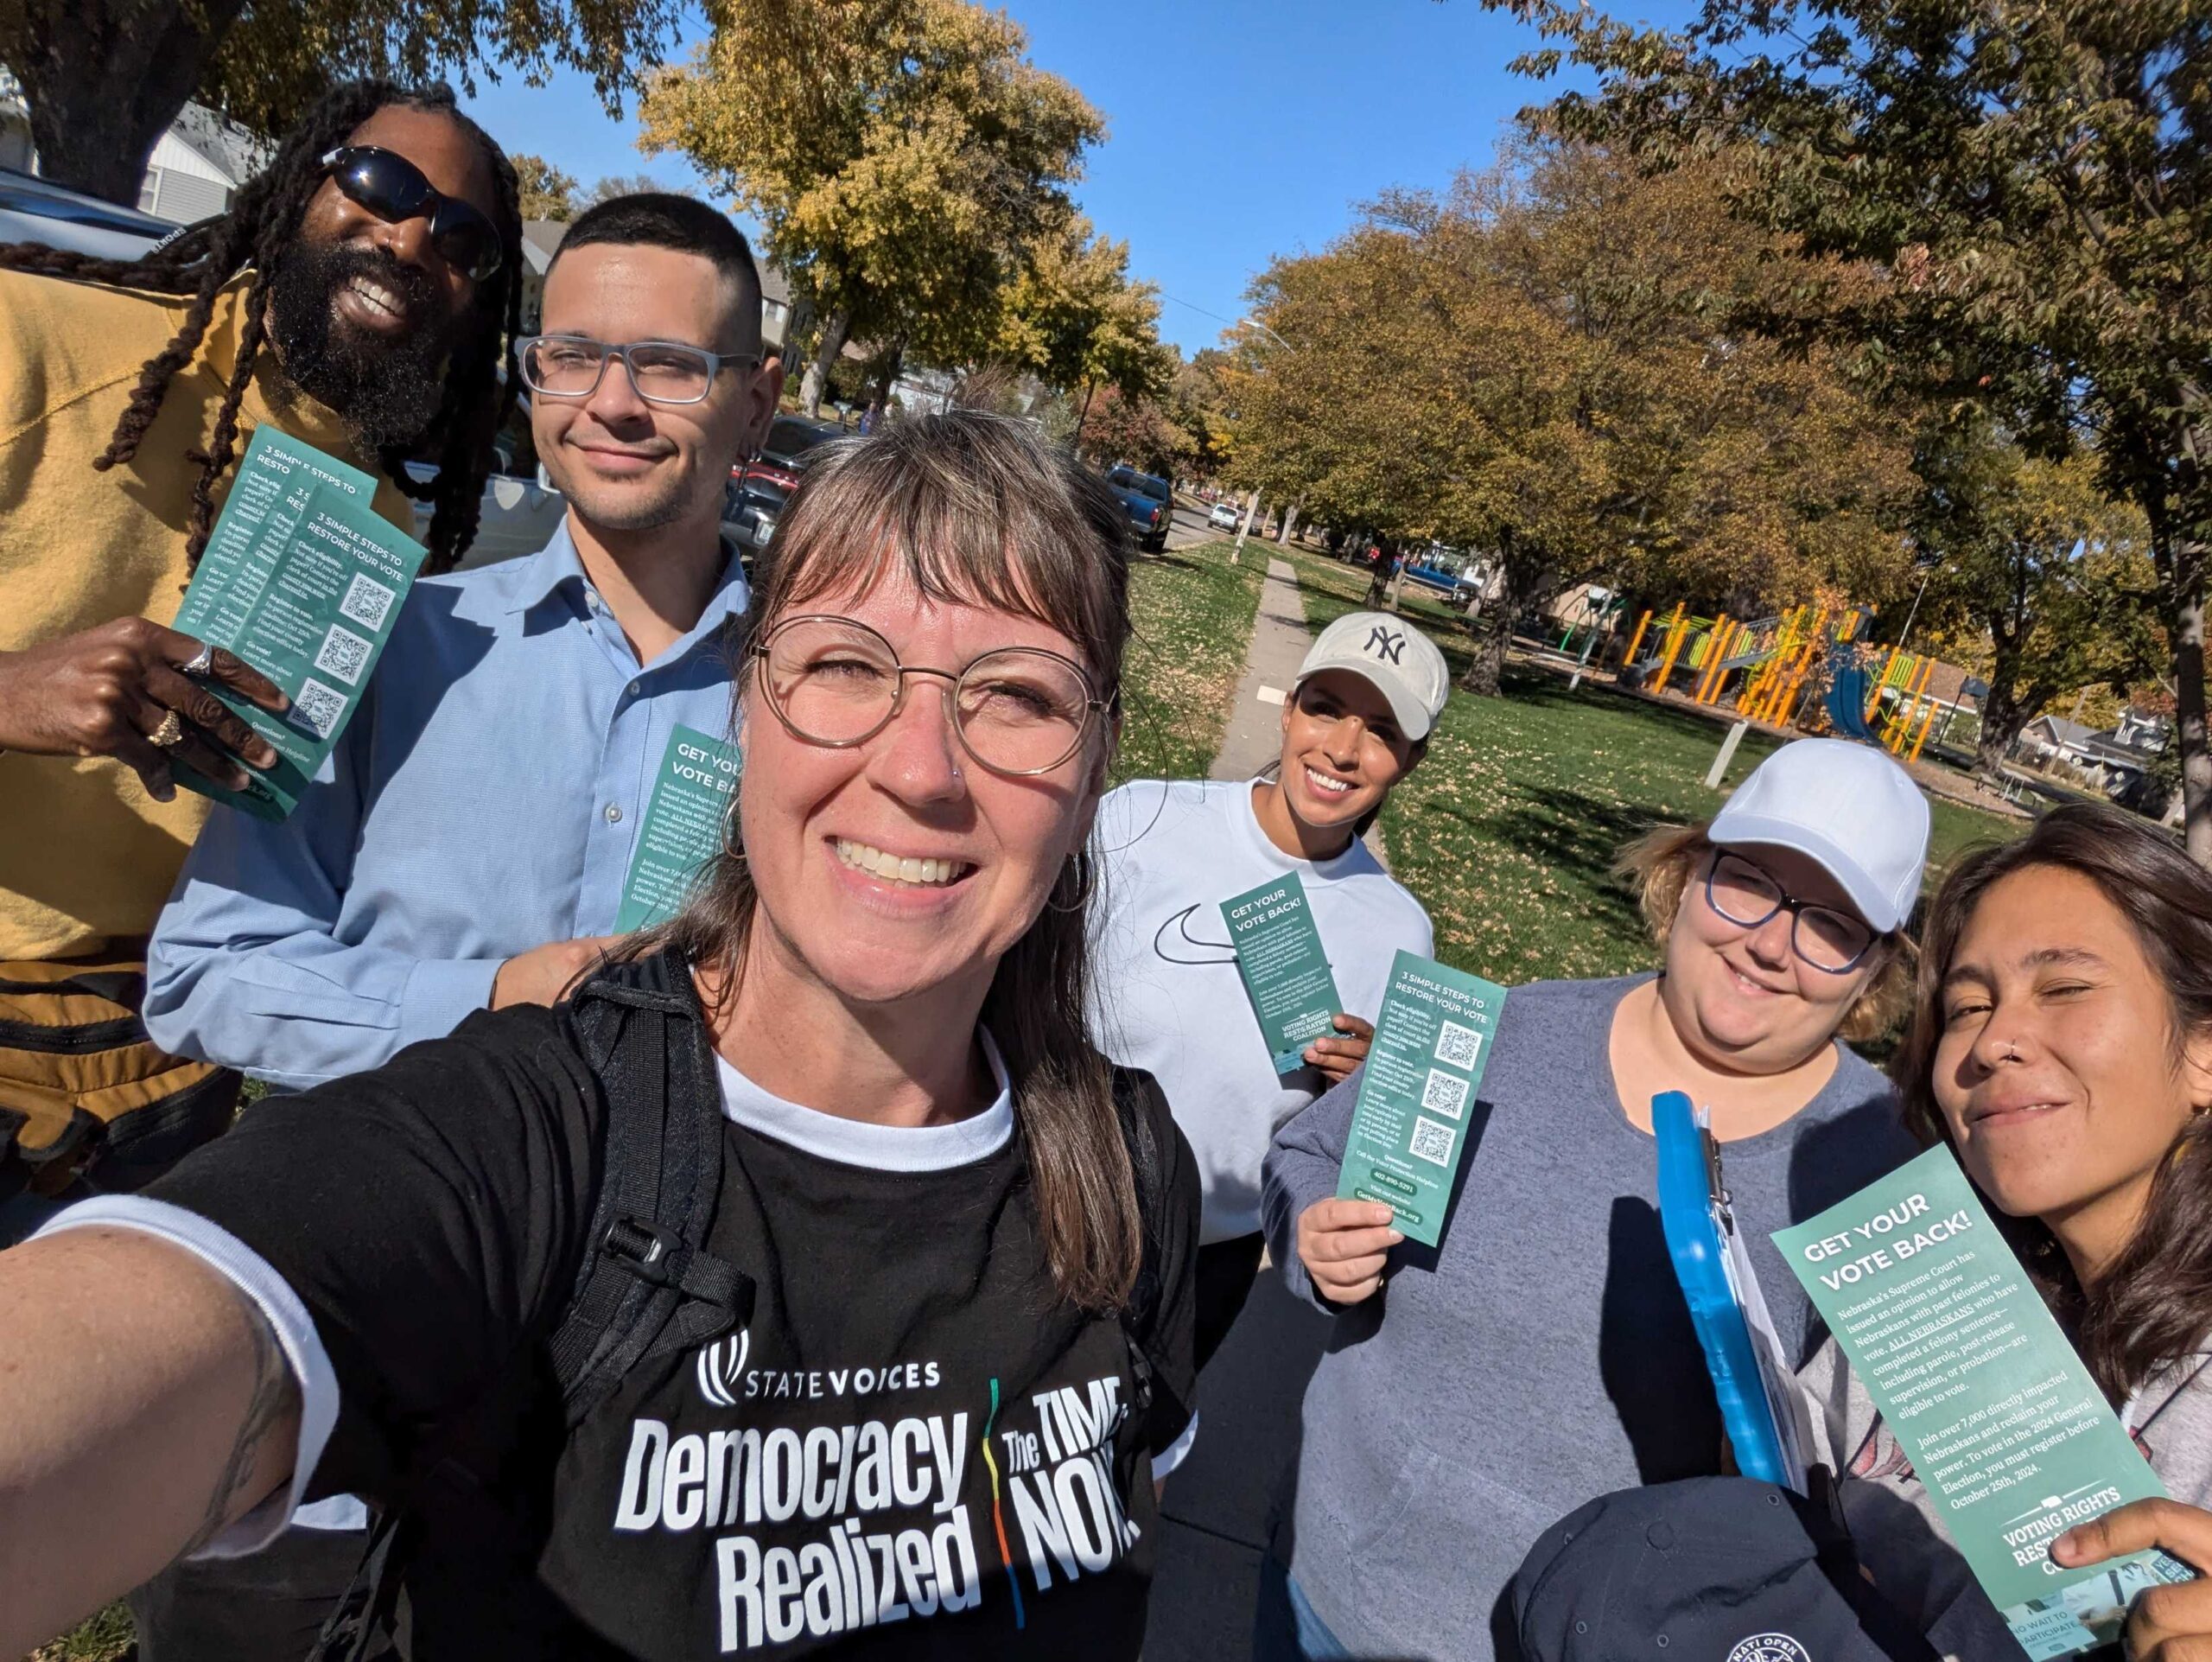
x,y
1570,835
1178,564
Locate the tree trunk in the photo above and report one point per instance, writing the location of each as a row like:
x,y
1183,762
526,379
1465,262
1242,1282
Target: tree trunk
x,y
893,366
834,331
2000,728
104,81
1492,630
2002,713
1289,528
1083,414
2185,625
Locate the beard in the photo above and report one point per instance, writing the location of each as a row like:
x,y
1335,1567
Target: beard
x,y
385,389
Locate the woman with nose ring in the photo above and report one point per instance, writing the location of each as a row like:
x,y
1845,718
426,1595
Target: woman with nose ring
x,y
1166,995
1472,1394
2061,1046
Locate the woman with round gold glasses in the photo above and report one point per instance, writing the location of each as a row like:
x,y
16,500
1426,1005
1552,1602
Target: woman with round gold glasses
x,y
887,1325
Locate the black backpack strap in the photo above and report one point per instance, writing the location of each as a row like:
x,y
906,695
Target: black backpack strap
x,y
647,1284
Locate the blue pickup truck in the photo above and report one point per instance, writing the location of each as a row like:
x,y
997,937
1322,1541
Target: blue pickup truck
x,y
1150,502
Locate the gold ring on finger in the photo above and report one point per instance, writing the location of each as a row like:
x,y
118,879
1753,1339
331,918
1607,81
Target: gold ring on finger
x,y
168,731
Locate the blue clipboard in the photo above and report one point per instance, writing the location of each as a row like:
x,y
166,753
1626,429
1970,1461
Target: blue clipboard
x,y
1693,1213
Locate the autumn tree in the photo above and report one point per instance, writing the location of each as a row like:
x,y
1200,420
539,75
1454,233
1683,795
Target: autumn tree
x,y
2041,584
1118,428
1073,318
625,184
1198,404
900,155
1530,368
547,193
2030,185
104,78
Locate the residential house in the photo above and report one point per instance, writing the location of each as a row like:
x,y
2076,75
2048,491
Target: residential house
x,y
2115,761
196,168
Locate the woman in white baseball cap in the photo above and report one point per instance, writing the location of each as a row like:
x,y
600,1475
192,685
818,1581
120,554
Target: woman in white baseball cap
x,y
1543,1354
1166,994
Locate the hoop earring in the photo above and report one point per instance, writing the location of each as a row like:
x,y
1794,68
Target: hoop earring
x,y
731,849
1086,882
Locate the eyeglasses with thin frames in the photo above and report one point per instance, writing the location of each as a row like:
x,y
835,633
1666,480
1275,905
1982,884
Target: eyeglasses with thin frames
x,y
1018,711
1746,895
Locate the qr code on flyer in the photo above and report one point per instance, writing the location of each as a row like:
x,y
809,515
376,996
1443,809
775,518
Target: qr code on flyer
x,y
1431,1142
316,708
1459,1046
1445,1093
366,601
344,654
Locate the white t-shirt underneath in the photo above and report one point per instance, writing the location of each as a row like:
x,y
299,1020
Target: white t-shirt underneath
x,y
1165,994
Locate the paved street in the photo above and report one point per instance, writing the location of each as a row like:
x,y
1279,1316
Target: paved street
x,y
1190,527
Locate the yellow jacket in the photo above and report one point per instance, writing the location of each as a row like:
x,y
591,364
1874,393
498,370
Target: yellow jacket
x,y
86,858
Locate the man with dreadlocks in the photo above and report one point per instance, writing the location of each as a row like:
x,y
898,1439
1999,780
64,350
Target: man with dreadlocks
x,y
354,295
469,844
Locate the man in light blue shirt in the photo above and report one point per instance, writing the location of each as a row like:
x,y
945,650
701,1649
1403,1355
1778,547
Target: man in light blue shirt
x,y
468,845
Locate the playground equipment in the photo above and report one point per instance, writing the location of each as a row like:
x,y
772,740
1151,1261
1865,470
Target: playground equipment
x,y
1800,668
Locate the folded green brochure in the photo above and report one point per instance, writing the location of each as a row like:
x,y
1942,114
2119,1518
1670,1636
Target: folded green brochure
x,y
1286,968
1998,1418
684,829
303,580
1410,1127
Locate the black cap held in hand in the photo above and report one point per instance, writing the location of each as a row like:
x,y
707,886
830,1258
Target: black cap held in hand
x,y
1711,1570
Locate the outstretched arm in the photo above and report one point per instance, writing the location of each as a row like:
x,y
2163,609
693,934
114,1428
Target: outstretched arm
x,y
144,1403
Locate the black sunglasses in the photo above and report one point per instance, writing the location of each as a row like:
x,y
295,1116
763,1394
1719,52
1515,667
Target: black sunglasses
x,y
393,188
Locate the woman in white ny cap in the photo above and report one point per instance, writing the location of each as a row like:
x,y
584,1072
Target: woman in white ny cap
x,y
1166,994
1543,1354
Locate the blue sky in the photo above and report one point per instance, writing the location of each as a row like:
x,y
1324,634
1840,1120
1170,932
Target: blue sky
x,y
1238,129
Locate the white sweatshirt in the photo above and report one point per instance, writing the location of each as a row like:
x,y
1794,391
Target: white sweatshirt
x,y
1165,996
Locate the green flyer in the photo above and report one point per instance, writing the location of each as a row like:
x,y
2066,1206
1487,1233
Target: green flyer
x,y
1408,1129
303,580
1286,968
683,828
1999,1418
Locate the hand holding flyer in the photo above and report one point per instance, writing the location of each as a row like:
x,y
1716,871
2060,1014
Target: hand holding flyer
x,y
1410,1126
1286,968
303,580
683,827
2002,1423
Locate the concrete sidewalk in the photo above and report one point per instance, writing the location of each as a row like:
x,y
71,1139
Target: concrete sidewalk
x,y
1218,1514
1279,642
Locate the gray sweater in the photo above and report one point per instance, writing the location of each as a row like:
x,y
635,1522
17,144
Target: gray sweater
x,y
1543,1355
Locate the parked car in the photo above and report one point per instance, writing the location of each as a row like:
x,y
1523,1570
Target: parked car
x,y
752,507
1150,502
1223,517
519,513
33,209
782,459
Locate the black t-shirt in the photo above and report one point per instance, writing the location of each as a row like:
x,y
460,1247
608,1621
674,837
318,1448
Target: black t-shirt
x,y
913,1446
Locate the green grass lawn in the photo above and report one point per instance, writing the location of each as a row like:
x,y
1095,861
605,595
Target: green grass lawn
x,y
107,1637
1509,829
1191,616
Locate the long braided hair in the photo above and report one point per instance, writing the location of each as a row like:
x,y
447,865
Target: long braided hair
x,y
258,230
